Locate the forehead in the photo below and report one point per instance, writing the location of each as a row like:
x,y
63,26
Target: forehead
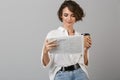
x,y
66,10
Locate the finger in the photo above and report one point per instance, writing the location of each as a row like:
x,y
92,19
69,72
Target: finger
x,y
88,38
87,45
51,47
89,41
52,41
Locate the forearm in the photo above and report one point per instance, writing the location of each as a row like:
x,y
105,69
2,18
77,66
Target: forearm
x,y
87,45
46,58
86,57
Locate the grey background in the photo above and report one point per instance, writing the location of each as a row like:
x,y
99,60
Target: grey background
x,y
25,23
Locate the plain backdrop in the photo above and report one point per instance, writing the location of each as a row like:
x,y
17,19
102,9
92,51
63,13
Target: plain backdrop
x,y
24,25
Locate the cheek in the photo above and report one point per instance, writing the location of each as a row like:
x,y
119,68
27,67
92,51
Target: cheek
x,y
64,19
74,19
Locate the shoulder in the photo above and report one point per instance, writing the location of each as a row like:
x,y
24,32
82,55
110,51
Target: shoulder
x,y
52,33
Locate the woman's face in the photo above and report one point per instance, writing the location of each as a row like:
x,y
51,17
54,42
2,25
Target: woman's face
x,y
68,17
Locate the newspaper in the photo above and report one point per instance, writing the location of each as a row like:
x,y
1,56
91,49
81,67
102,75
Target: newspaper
x,y
68,45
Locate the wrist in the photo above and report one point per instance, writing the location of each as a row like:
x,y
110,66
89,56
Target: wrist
x,y
86,50
45,50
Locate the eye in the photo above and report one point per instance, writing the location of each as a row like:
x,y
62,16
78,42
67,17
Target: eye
x,y
73,15
65,14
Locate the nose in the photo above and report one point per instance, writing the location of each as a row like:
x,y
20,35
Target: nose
x,y
69,17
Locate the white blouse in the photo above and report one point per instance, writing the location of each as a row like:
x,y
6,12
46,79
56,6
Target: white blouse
x,y
58,60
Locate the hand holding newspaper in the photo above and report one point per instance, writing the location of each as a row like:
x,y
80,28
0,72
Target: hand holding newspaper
x,y
68,45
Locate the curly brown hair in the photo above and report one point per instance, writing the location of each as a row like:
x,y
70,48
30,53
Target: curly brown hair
x,y
73,7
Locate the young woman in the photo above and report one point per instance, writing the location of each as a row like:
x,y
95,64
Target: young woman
x,y
66,66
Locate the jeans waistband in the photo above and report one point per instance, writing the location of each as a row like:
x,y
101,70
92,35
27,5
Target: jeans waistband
x,y
70,68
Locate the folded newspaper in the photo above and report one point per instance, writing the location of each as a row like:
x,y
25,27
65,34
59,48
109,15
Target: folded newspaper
x,y
68,45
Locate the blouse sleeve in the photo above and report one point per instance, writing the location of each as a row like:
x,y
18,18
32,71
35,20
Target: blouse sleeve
x,y
50,55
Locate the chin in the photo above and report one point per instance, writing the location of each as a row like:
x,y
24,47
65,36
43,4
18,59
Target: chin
x,y
70,24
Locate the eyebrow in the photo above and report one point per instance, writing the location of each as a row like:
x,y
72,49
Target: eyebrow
x,y
67,13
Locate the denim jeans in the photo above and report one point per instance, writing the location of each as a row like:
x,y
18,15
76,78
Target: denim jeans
x,y
78,74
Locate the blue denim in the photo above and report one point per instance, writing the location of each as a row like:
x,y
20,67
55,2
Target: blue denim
x,y
78,74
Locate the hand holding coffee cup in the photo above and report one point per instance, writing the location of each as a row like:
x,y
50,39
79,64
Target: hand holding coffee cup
x,y
87,40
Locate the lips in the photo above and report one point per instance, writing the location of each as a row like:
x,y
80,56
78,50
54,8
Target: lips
x,y
69,22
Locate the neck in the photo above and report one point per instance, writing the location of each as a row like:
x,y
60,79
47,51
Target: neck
x,y
69,29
